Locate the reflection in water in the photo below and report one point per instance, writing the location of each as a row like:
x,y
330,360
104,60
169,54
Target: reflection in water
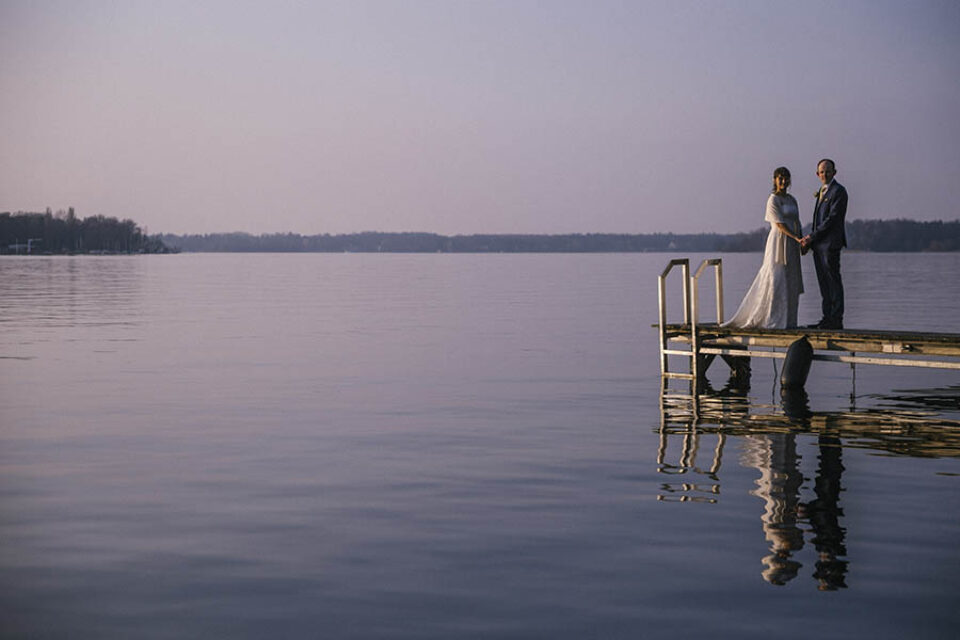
x,y
768,436
824,513
795,404
924,399
709,484
775,457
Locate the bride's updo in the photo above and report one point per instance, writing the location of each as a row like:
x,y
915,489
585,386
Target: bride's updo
x,y
778,172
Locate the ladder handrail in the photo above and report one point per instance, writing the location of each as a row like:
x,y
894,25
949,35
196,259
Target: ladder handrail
x,y
717,263
684,264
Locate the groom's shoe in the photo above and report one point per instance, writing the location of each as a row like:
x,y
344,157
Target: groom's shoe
x,y
817,325
828,324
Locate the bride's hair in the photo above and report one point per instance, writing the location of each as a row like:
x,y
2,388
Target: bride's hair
x,y
781,171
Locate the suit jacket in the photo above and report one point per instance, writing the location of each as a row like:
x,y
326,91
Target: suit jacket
x,y
828,231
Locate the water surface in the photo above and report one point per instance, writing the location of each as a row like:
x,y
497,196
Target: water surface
x,y
436,446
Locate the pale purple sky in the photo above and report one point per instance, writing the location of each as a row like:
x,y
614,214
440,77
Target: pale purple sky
x,y
474,117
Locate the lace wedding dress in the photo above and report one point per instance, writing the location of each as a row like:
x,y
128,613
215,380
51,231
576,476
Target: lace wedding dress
x,y
771,301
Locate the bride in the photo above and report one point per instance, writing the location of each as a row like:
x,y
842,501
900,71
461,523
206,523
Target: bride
x,y
773,298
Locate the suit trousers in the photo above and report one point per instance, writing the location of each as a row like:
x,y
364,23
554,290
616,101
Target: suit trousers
x,y
827,263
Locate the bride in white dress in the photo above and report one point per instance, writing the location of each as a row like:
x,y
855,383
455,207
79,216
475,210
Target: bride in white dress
x,y
773,298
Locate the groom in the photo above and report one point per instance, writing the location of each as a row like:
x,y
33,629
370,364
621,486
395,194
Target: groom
x,y
827,237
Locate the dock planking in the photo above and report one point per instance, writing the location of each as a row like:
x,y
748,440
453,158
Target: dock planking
x,y
711,336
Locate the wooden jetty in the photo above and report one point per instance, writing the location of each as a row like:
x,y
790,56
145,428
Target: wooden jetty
x,y
700,342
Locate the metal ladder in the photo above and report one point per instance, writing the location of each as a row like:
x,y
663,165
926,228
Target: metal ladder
x,y
690,320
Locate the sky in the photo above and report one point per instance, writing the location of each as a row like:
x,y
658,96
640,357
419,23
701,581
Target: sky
x,y
481,116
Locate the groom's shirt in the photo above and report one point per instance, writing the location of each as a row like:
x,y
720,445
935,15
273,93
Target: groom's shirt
x,y
825,188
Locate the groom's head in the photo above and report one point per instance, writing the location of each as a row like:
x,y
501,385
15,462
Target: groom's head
x,y
826,169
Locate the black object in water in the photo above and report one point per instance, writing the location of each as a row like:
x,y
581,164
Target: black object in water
x,y
796,366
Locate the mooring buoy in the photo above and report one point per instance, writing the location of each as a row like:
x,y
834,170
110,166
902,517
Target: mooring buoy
x,y
796,365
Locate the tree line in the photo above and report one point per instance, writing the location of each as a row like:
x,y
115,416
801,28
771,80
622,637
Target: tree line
x,y
409,242
862,235
64,232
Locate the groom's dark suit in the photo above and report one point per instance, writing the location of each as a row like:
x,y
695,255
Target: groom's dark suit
x,y
827,238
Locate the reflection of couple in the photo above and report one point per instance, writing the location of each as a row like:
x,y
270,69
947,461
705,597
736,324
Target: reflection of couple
x,y
775,456
773,298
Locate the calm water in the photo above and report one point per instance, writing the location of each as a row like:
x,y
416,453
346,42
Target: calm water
x,y
446,446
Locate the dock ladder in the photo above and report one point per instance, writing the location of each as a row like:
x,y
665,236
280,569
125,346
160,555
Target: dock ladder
x,y
690,319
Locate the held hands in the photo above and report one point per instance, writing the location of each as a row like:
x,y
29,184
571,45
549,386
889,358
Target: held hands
x,y
804,245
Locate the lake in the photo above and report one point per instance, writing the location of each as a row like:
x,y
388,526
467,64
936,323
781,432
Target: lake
x,y
457,446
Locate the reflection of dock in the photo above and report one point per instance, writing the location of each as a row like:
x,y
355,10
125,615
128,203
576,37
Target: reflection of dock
x,y
768,438
918,432
700,343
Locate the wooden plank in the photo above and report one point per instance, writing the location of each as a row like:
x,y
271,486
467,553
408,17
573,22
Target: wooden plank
x,y
840,344
863,333
866,341
896,362
743,352
829,357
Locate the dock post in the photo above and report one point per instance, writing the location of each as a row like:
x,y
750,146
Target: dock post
x,y
694,344
853,388
718,275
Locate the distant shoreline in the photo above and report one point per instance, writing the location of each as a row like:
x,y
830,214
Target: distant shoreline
x,y
65,234
863,235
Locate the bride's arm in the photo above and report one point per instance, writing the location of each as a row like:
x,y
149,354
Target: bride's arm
x,y
786,231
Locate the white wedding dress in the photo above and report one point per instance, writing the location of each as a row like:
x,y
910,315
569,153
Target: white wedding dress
x,y
772,300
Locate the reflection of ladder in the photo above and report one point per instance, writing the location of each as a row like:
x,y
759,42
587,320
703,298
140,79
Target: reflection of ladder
x,y
704,484
690,319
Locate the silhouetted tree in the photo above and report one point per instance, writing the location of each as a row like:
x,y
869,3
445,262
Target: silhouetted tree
x,y
864,235
63,233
